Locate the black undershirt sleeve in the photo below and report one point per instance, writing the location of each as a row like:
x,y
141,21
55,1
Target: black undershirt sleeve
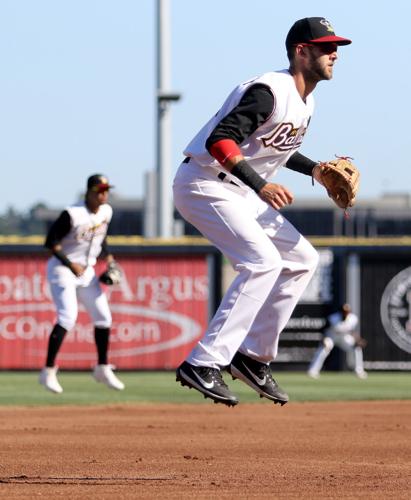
x,y
104,249
301,163
252,111
254,108
60,228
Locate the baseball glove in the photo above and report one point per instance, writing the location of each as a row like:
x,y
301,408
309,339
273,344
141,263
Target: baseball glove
x,y
112,275
341,179
360,342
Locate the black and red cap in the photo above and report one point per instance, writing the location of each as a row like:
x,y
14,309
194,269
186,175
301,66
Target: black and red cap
x,y
313,30
97,183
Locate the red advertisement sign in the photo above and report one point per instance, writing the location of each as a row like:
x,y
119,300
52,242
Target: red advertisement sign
x,y
160,311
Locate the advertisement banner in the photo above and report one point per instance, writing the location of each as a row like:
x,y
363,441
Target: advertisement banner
x,y
386,311
160,310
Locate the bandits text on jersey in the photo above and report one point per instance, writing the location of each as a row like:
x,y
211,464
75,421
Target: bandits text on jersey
x,y
87,233
285,137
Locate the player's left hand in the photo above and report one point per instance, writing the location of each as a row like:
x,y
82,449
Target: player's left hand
x,y
341,179
276,195
360,341
317,174
112,275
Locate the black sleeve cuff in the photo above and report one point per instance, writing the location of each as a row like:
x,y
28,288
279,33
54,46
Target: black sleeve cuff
x,y
243,171
301,163
62,257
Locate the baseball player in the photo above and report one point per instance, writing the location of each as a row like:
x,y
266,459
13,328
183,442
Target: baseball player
x,y
75,240
223,188
342,331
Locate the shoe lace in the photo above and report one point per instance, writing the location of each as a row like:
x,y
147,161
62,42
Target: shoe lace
x,y
215,375
264,371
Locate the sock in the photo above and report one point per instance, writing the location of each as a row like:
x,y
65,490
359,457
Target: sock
x,y
101,336
55,340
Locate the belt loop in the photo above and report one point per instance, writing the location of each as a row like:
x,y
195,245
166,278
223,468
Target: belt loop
x,y
222,176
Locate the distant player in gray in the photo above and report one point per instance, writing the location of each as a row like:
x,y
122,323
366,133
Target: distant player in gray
x,y
75,240
342,331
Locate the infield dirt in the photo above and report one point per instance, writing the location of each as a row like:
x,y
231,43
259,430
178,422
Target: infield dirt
x,y
301,450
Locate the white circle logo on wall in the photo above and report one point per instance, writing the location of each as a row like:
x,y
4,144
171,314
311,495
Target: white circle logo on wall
x,y
395,309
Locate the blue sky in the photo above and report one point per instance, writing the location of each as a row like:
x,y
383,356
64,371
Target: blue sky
x,y
77,89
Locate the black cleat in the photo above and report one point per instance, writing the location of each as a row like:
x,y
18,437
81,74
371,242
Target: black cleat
x,y
258,376
206,380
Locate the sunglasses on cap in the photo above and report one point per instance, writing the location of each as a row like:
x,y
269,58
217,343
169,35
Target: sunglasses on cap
x,y
100,188
324,47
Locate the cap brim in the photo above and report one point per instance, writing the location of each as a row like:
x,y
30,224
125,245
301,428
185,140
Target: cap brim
x,y
98,187
332,39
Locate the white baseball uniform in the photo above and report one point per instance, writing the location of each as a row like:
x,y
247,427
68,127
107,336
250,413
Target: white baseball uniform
x,y
341,332
81,245
274,261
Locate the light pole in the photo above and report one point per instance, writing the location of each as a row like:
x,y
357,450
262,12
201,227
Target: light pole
x,y
164,213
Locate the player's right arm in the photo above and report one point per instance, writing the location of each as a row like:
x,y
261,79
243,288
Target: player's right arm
x,y
58,230
255,107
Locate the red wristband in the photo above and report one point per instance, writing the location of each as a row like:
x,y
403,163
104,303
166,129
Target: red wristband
x,y
224,149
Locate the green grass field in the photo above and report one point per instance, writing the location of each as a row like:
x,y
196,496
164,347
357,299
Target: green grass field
x,y
22,388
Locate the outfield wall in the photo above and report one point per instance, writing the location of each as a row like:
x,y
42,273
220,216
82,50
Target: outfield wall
x,y
374,276
171,288
159,310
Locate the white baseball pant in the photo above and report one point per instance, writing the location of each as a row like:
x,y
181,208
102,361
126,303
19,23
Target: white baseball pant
x,y
346,342
67,289
274,262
